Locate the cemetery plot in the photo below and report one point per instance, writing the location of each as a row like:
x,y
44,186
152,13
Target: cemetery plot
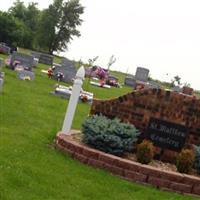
x,y
66,92
21,60
65,71
25,75
140,80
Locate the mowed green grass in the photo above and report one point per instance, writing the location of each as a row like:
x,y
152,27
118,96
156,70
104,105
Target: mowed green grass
x,y
30,167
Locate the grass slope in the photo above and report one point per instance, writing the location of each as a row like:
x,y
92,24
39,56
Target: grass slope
x,y
30,168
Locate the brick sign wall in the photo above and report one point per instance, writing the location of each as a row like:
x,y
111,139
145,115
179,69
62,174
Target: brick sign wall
x,y
171,120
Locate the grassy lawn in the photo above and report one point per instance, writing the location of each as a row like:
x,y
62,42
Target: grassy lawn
x,y
30,168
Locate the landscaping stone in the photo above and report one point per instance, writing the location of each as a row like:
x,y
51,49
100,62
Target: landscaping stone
x,y
135,176
158,182
183,188
147,175
196,190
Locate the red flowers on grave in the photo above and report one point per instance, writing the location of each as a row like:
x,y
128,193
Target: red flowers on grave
x,y
84,98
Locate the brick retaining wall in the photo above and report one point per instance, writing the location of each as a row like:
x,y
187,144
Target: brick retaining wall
x,y
130,170
140,106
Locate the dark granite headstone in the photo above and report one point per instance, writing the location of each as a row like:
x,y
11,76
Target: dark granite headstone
x,y
46,59
67,68
36,54
130,81
141,74
167,135
24,74
27,61
4,49
112,78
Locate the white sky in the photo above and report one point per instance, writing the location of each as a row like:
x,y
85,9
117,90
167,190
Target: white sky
x,y
161,35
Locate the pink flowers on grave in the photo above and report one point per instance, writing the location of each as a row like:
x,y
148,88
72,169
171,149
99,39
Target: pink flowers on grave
x,y
102,73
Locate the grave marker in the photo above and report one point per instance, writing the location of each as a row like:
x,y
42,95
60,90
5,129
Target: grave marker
x,y
24,60
67,68
141,74
25,75
4,48
1,62
46,59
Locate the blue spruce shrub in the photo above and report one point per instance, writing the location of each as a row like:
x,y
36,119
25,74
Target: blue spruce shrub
x,y
110,136
197,158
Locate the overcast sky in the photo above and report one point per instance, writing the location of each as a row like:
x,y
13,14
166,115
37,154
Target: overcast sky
x,y
161,35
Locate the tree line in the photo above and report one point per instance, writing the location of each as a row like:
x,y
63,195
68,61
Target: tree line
x,y
46,30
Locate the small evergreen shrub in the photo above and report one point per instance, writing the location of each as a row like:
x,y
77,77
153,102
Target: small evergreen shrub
x,y
197,158
110,136
185,160
145,152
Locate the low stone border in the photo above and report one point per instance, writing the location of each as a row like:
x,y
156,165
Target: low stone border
x,y
130,170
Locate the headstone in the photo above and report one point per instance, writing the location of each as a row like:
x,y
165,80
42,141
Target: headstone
x,y
100,85
35,62
46,59
36,54
112,78
142,74
2,74
4,48
152,84
130,81
66,92
112,81
68,70
1,84
24,60
25,75
1,62
66,62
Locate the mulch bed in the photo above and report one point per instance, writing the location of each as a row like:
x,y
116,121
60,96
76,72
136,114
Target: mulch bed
x,y
131,156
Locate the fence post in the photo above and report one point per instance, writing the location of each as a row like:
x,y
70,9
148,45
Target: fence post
x,y
73,101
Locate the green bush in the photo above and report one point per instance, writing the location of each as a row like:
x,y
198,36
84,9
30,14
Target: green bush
x,y
145,152
185,160
110,136
197,158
